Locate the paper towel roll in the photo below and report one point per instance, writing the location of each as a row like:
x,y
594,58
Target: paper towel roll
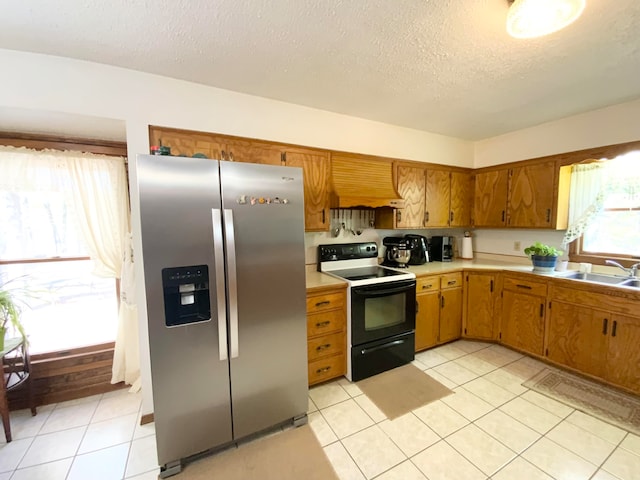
x,y
467,248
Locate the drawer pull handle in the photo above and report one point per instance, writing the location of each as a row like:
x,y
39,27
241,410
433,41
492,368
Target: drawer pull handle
x,y
425,287
528,287
320,304
323,370
323,324
614,328
320,348
605,323
452,282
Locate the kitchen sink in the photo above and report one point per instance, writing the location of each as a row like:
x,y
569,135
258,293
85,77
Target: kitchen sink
x,y
604,279
598,278
632,282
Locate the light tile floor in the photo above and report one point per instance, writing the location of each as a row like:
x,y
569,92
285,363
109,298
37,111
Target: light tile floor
x,y
492,427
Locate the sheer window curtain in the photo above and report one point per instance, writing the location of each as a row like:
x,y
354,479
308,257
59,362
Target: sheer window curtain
x,y
586,198
98,193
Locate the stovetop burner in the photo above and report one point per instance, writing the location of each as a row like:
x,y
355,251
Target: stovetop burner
x,y
357,263
363,273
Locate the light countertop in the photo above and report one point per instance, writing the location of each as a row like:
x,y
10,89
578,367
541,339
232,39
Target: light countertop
x,y
318,280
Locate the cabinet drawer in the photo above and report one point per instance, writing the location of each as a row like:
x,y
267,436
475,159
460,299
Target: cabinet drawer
x,y
427,284
325,346
326,368
325,322
451,280
528,287
328,301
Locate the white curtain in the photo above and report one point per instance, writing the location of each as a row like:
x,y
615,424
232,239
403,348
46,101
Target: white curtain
x,y
586,198
126,357
97,189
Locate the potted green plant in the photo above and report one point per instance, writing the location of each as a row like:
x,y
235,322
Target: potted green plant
x,y
9,315
543,257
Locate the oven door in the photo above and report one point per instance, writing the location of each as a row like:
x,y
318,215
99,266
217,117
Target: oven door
x,y
382,310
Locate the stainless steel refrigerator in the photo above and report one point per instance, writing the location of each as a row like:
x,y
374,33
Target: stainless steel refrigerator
x,y
224,272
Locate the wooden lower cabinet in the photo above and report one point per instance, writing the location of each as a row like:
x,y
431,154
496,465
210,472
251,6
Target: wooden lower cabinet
x,y
427,311
577,337
450,314
326,333
623,357
586,333
439,309
480,320
523,314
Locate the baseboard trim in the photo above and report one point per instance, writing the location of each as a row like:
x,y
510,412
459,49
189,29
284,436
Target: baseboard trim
x,y
146,418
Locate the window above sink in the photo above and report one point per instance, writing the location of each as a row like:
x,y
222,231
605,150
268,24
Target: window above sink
x,y
615,233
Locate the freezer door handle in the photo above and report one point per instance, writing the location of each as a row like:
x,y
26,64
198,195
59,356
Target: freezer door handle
x,y
232,285
218,256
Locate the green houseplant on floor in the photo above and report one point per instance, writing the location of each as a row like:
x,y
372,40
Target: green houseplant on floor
x,y
543,257
9,315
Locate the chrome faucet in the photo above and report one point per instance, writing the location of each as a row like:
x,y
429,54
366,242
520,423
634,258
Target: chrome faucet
x,y
631,271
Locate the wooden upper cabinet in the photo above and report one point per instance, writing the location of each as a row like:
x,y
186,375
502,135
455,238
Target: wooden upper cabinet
x,y
461,199
314,163
448,198
184,143
531,195
251,151
316,170
490,198
437,198
410,183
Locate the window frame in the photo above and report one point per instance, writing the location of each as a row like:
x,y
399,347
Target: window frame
x,y
575,252
43,142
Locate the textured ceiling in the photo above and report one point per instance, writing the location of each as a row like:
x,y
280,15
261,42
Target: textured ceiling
x,y
444,66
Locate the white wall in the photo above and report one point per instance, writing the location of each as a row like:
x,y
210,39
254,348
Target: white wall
x,y
55,84
607,126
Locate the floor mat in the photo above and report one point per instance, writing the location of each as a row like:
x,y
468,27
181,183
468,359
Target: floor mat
x,y
402,389
611,406
290,455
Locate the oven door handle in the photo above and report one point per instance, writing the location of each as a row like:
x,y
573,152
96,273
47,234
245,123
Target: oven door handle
x,y
365,351
383,292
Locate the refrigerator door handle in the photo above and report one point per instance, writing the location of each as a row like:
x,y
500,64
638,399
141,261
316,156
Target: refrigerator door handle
x,y
232,285
218,255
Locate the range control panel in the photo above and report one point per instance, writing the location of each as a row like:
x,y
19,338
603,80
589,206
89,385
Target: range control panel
x,y
347,251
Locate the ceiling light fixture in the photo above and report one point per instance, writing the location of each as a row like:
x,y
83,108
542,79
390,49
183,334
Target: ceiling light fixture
x,y
535,18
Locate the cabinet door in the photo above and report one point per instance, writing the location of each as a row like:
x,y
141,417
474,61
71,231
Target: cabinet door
x,y
252,151
531,195
437,198
523,321
411,187
316,170
479,300
187,144
427,319
490,199
461,199
577,337
623,357
450,314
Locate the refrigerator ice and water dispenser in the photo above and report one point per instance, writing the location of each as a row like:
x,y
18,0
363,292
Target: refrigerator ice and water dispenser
x,y
186,295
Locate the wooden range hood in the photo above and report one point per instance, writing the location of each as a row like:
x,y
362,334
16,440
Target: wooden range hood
x,y
362,183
